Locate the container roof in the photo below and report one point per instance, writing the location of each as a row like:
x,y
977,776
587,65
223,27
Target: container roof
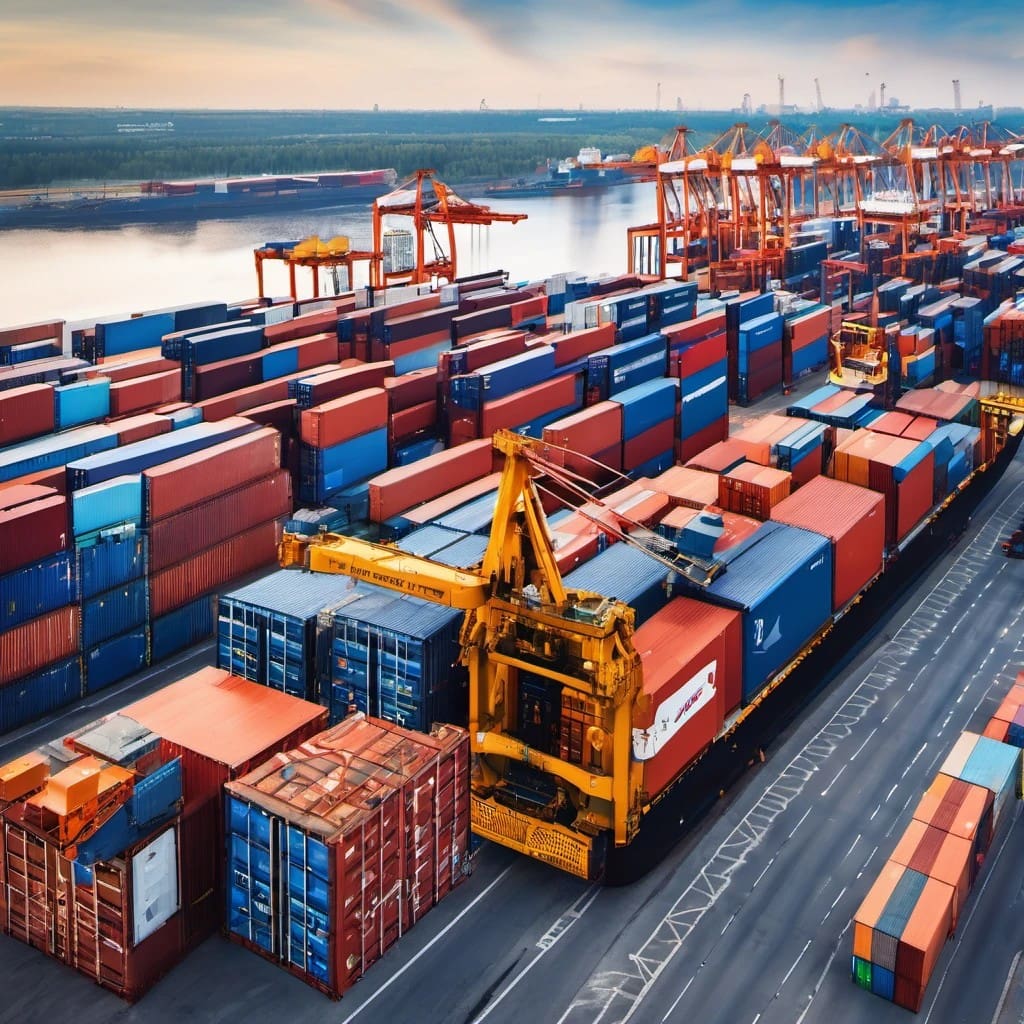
x,y
222,717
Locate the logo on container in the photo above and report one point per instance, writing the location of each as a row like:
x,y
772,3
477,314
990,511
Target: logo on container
x,y
675,711
761,642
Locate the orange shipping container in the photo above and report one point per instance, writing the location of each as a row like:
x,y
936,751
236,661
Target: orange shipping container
x,y
693,488
925,933
753,490
939,855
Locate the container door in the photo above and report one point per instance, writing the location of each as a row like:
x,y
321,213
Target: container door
x,y
305,903
252,855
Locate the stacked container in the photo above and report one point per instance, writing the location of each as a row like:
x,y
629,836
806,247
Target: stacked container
x,y
393,656
753,490
40,668
344,442
211,518
339,847
648,426
1007,724
266,631
805,338
758,356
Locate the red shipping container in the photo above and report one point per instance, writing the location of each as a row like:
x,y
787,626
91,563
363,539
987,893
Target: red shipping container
x,y
99,913
938,855
221,727
413,388
55,480
25,333
200,574
692,677
576,540
214,379
653,442
920,428
853,518
142,393
404,487
529,309
753,490
577,344
324,321
685,362
32,531
587,432
693,444
26,412
39,642
196,478
892,423
133,366
405,346
491,347
348,379
317,350
808,328
235,403
139,428
409,421
926,932
704,326
200,527
344,418
632,506
528,404
720,457
13,494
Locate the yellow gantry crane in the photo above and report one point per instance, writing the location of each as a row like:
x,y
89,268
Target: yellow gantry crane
x,y
523,624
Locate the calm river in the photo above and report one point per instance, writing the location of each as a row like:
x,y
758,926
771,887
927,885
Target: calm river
x,y
76,274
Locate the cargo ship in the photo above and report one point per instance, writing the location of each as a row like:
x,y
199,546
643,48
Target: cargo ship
x,y
588,173
154,202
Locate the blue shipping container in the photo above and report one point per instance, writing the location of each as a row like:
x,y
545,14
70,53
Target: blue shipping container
x,y
113,612
781,579
114,337
115,659
505,377
107,504
466,553
328,470
36,589
429,539
624,573
85,402
252,833
109,561
54,450
474,517
266,632
647,405
142,455
182,628
278,362
47,690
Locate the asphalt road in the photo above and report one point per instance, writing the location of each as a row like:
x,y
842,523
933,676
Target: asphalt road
x,y
747,920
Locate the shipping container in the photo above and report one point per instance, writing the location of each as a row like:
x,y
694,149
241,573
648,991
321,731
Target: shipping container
x,y
393,656
182,628
266,631
34,644
143,455
54,450
326,887
111,503
110,559
781,579
181,483
221,727
853,518
25,412
206,571
198,528
36,695
692,678
85,402
940,855
753,490
344,418
325,471
626,574
115,659
37,588
114,611
981,761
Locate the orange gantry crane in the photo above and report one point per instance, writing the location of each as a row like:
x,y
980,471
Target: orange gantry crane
x,y
427,201
314,253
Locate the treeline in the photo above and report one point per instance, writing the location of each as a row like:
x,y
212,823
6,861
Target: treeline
x,y
456,158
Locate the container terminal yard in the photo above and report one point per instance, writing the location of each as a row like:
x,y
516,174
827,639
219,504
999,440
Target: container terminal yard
x,y
411,446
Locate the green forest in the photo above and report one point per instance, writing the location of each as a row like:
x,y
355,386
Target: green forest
x,y
66,147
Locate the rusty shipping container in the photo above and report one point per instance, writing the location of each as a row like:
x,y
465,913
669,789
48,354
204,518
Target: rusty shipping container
x,y
361,831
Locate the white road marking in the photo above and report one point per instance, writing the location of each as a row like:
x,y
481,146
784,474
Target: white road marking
x,y
864,744
793,968
1006,986
824,792
850,850
433,942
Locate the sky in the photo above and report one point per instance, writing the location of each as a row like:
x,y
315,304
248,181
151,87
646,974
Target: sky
x,y
453,54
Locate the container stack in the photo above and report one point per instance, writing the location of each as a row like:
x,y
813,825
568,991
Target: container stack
x,y
221,727
393,656
1007,724
210,518
40,620
739,313
758,356
915,904
357,868
115,634
92,858
344,442
805,340
648,426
